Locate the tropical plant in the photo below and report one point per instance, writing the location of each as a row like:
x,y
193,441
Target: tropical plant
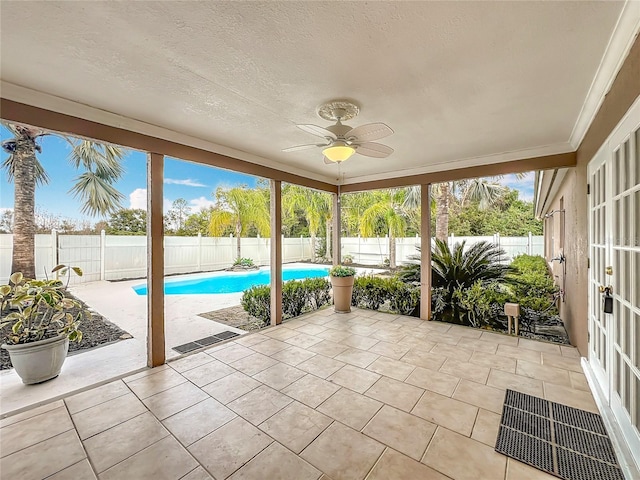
x,y
386,212
101,165
342,271
40,309
240,208
315,205
243,262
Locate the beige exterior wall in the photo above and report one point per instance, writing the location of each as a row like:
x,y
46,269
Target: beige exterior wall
x,y
573,190
572,275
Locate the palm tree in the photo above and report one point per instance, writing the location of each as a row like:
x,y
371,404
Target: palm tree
x,y
486,191
94,186
315,205
240,208
386,213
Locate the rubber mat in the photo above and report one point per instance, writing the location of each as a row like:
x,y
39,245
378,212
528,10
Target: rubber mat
x,y
567,442
204,342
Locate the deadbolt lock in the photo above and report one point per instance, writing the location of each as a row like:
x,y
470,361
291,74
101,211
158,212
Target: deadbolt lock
x,y
608,270
608,290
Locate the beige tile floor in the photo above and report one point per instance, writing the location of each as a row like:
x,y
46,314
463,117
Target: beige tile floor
x,y
342,397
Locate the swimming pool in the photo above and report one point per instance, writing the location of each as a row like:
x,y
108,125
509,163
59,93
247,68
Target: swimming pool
x,y
228,282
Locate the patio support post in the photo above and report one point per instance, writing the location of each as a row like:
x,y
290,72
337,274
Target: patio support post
x,y
155,261
336,224
275,206
425,252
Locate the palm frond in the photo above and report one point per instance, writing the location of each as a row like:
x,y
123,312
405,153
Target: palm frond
x,y
98,195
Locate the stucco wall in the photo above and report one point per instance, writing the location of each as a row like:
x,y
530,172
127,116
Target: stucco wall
x,y
574,310
573,274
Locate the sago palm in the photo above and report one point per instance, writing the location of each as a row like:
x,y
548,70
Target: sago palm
x,y
100,165
240,208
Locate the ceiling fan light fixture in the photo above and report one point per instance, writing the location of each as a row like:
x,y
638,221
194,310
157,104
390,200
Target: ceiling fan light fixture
x,y
338,152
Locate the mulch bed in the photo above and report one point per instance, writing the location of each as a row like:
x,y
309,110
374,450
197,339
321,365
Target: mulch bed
x,y
234,317
96,331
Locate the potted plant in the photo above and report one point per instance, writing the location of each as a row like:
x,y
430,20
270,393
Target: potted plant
x,y
43,320
342,285
347,259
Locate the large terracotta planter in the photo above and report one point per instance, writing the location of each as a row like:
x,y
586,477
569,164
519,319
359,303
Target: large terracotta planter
x,y
342,290
39,361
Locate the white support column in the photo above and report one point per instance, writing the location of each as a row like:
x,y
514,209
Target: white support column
x,y
155,261
425,252
275,206
337,255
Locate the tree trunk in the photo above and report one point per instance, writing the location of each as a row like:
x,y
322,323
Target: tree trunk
x,y
392,250
313,247
24,229
442,212
327,251
238,233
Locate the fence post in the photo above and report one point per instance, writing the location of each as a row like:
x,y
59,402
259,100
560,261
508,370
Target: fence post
x,y
199,251
54,250
452,238
301,249
530,244
103,249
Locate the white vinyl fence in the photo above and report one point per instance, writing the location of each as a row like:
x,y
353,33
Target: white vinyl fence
x,y
117,257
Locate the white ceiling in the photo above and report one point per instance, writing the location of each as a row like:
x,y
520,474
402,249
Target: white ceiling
x,y
461,83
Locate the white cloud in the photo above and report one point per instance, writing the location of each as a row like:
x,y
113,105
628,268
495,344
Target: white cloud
x,y
200,203
187,182
138,199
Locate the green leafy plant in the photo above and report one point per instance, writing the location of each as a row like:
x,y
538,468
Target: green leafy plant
x,y
370,292
342,271
298,296
347,259
40,309
243,262
404,298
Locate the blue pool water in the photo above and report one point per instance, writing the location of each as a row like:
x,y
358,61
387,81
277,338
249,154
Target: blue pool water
x,y
231,282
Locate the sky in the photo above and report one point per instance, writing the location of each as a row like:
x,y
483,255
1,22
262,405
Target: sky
x,y
195,183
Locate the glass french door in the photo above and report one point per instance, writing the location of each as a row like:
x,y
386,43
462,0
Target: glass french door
x,y
614,243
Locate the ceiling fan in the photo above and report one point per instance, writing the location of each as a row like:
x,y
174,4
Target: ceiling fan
x,y
342,141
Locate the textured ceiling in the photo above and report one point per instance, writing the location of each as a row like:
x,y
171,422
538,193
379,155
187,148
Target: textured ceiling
x,y
455,80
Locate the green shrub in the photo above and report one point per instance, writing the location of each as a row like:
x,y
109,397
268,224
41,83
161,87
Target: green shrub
x,y
243,262
298,296
319,290
404,298
532,284
370,292
256,301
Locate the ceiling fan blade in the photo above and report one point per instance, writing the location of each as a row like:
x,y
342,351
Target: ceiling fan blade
x,y
303,147
319,131
369,132
372,149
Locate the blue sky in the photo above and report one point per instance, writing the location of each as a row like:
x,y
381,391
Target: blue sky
x,y
195,183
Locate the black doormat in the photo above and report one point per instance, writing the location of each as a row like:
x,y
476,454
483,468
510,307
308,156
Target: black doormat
x,y
204,342
564,441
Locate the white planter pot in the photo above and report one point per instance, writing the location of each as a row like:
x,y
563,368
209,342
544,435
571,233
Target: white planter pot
x,y
39,361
